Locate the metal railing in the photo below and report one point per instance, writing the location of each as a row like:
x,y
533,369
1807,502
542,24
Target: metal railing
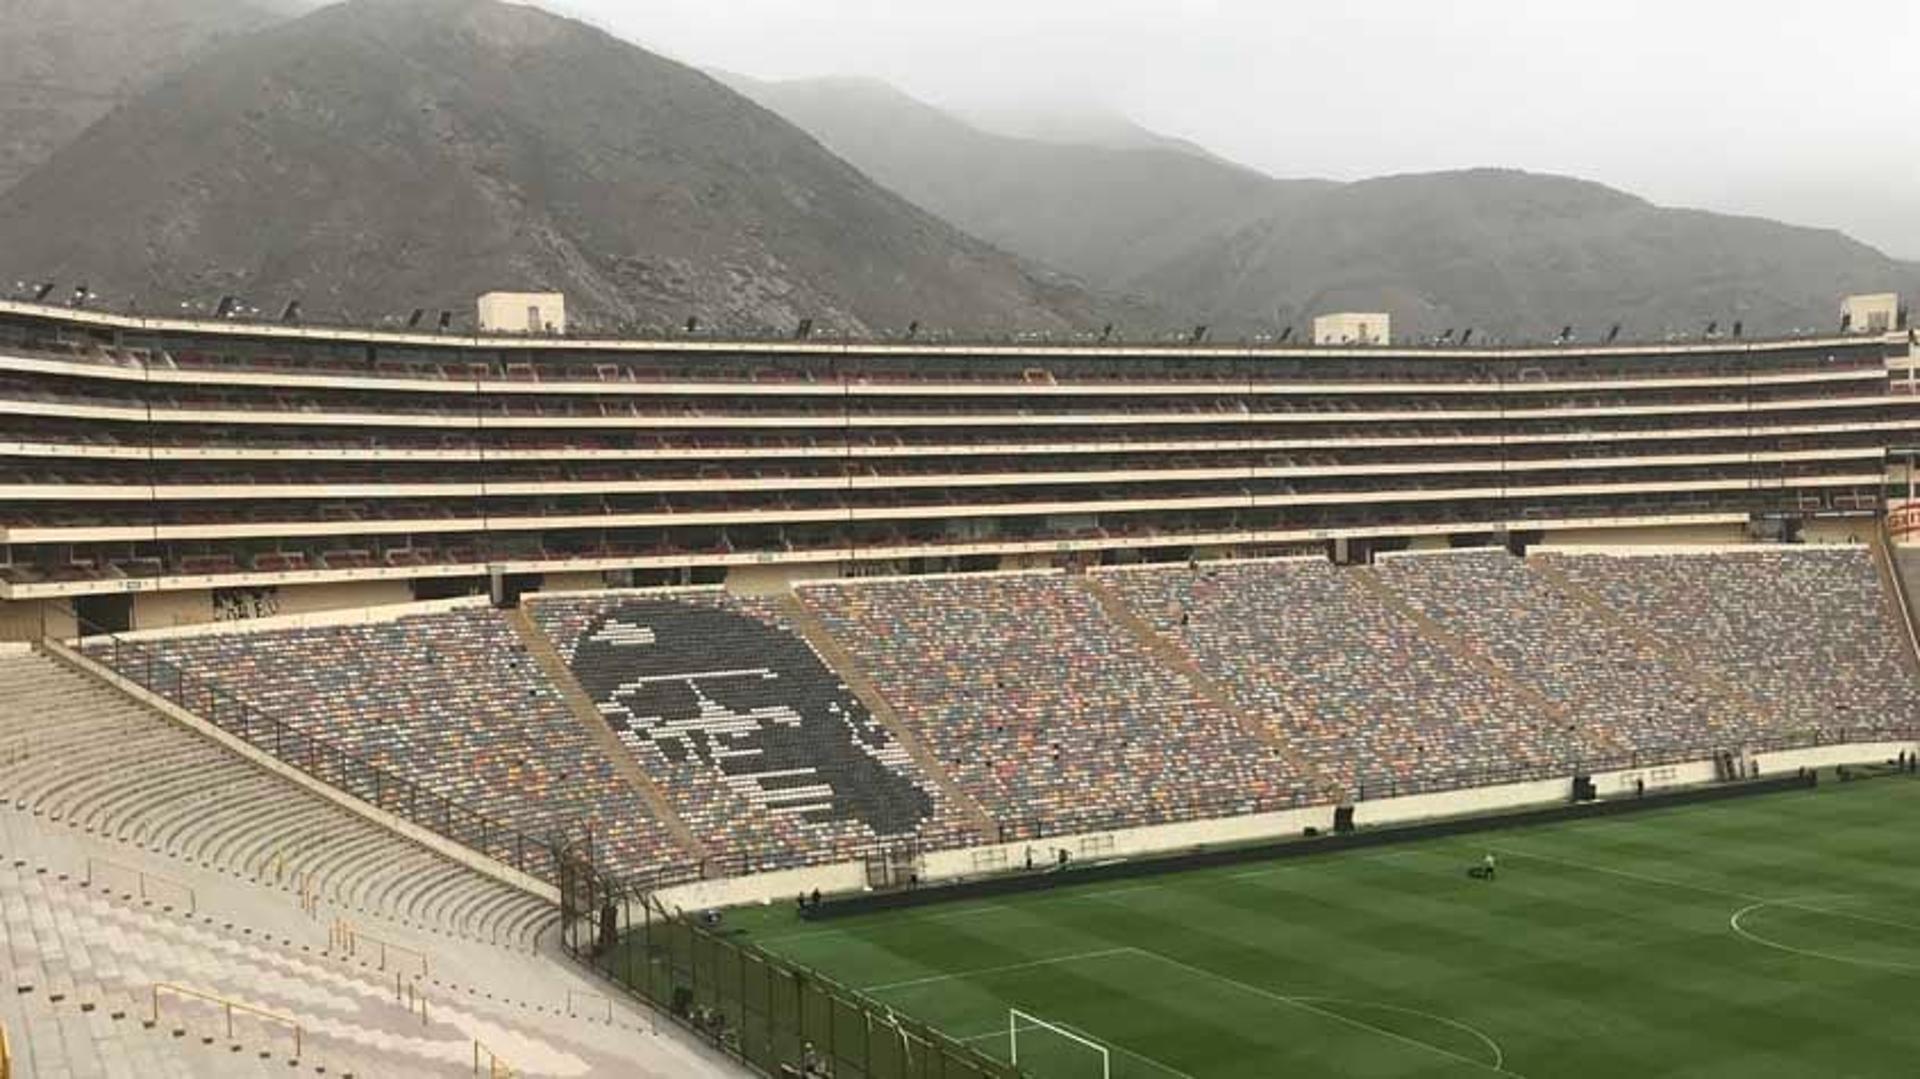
x,y
228,1008
773,1015
495,1066
408,993
142,878
319,757
346,939
1374,788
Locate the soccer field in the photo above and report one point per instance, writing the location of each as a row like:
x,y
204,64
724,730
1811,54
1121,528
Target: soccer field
x,y
1768,936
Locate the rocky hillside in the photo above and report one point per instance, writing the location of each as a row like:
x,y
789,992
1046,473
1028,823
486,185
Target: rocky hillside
x,y
385,154
1520,255
1516,254
1106,209
66,63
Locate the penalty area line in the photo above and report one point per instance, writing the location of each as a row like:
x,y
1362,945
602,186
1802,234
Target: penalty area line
x,y
1001,1032
1497,1065
1756,901
961,975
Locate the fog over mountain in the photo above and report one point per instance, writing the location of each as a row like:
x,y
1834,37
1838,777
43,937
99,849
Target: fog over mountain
x,y
1513,253
383,154
1111,213
1804,113
66,63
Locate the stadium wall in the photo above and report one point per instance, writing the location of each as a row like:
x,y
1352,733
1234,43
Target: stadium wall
x,y
373,614
1009,884
158,610
1665,536
30,620
1197,837
571,582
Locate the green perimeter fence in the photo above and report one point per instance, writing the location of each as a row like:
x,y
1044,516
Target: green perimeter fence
x,y
781,1018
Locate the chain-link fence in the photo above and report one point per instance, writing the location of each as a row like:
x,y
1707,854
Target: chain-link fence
x,y
781,1018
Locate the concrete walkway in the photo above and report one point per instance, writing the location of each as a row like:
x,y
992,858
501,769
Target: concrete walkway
x,y
134,853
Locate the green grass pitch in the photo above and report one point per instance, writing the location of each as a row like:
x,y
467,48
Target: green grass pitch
x,y
1770,936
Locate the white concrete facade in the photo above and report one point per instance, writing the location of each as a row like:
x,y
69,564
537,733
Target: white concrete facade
x,y
1872,313
1353,328
542,313
1170,838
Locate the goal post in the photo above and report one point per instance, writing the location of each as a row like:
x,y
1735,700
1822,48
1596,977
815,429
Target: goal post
x,y
1052,1051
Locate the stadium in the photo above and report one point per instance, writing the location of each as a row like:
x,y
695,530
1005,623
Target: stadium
x,y
391,702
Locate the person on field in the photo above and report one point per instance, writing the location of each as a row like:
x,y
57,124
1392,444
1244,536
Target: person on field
x,y
1487,866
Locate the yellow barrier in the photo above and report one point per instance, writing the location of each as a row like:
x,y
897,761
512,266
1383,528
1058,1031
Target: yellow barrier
x,y
408,992
496,1068
228,1006
346,940
309,896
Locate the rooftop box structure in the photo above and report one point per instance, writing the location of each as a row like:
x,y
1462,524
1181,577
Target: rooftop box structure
x,y
1877,312
1353,328
523,312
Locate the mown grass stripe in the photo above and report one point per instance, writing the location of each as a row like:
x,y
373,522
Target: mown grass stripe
x,y
1604,949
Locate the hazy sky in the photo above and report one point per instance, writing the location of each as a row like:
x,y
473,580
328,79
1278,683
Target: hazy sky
x,y
1801,110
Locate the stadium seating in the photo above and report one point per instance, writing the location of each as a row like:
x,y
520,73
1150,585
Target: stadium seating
x,y
148,877
1627,696
1353,687
762,750
109,768
1807,630
448,700
1045,711
1056,715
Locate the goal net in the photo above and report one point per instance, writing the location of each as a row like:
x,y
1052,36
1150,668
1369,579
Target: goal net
x,y
1051,1051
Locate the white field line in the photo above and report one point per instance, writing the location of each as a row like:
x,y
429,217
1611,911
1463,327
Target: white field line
x,y
1309,1003
1070,893
1733,923
1142,1057
1627,874
1497,1065
1756,900
933,979
1001,1032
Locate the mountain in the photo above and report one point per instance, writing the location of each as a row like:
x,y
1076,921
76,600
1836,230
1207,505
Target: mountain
x,y
381,155
66,63
1519,255
1107,213
1078,125
1515,254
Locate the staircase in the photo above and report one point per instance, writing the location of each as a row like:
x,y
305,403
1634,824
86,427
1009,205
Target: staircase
x,y
1177,660
1668,654
547,658
136,850
843,663
77,754
1455,646
102,983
